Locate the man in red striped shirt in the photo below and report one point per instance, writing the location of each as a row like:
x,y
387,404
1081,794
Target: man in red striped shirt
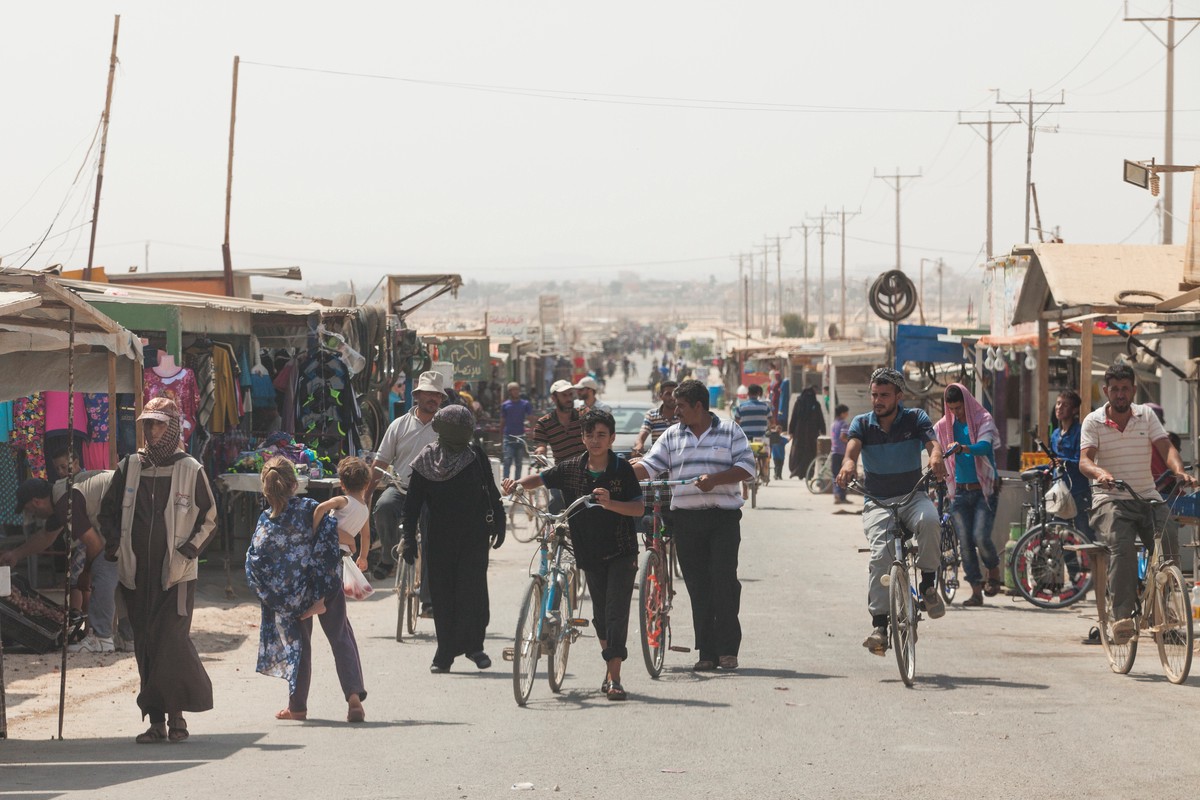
x,y
1116,442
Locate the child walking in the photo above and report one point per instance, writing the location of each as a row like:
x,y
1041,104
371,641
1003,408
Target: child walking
x,y
604,538
293,565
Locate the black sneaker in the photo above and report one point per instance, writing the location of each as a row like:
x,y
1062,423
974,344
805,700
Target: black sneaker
x,y
382,571
932,600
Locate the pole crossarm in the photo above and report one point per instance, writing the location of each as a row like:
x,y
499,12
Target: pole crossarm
x,y
898,179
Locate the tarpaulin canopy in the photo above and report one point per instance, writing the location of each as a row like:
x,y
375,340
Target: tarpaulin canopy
x,y
35,322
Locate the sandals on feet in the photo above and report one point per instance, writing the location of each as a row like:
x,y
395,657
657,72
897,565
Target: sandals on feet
x,y
155,734
287,713
176,730
616,692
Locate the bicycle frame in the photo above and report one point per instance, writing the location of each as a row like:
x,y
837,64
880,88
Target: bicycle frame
x,y
656,590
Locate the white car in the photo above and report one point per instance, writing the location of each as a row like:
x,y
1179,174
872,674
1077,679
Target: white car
x,y
628,416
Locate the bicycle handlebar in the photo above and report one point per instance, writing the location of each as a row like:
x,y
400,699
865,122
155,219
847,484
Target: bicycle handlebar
x,y
922,482
1122,485
652,483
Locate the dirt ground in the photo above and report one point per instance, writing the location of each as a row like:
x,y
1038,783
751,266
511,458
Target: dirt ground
x,y
220,628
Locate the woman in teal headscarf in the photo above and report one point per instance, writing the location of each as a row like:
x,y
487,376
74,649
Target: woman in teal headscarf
x,y
454,479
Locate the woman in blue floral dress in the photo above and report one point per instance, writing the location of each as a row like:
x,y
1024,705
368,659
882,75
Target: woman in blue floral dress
x,y
296,573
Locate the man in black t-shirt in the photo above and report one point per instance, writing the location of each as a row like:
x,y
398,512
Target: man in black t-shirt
x,y
604,536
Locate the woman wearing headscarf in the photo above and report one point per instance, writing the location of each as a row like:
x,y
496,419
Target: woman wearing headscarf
x,y
453,478
969,437
805,425
157,516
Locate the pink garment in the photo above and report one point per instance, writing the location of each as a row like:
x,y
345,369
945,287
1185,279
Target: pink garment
x,y
95,455
56,413
180,387
980,427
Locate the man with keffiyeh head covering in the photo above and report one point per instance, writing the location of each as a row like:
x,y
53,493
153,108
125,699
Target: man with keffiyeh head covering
x,y
157,516
968,437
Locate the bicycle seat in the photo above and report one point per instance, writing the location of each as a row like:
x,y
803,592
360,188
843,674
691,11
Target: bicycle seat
x,y
1034,474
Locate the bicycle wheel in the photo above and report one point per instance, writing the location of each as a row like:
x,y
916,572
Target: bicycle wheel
x,y
404,576
817,478
556,665
413,600
526,644
1173,625
764,470
1040,566
951,559
903,620
654,621
527,533
1120,656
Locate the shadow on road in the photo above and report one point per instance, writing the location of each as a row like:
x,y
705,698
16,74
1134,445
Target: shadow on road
x,y
583,698
373,723
786,674
946,682
49,769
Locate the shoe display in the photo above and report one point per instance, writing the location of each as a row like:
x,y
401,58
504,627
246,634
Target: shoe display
x,y
877,641
92,644
934,606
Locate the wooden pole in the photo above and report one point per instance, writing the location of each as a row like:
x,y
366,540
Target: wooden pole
x,y
1042,379
112,71
68,530
1085,367
112,410
226,257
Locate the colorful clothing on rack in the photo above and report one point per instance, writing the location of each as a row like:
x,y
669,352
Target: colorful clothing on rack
x,y
180,387
327,411
58,410
29,432
6,420
97,416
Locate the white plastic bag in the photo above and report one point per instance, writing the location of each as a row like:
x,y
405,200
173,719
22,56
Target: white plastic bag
x,y
1059,501
354,584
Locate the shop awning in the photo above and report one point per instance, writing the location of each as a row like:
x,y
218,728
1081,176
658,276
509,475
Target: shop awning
x,y
35,312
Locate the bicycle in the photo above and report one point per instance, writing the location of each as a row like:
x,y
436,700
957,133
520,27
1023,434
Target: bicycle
x,y
407,585
1162,606
655,583
902,581
1043,568
819,475
536,499
951,556
547,623
762,462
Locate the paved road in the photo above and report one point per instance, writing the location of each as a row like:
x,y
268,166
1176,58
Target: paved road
x,y
1007,703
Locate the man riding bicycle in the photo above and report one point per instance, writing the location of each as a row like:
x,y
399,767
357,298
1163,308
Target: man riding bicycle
x,y
890,440
1116,442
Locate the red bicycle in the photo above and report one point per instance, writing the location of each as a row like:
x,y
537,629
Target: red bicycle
x,y
656,590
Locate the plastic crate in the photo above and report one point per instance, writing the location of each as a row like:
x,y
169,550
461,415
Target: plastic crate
x,y
1036,459
1186,505
37,633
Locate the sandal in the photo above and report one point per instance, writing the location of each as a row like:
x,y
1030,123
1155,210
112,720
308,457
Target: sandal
x,y
287,713
1093,636
616,692
153,735
604,687
176,730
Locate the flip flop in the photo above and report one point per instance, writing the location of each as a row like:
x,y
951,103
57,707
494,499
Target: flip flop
x,y
616,692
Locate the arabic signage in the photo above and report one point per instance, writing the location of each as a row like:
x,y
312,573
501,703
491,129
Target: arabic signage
x,y
470,358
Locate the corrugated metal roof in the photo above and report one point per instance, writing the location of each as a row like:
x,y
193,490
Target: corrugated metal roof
x,y
133,294
1093,275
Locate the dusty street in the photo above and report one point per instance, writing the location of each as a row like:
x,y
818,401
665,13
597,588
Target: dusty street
x,y
1007,702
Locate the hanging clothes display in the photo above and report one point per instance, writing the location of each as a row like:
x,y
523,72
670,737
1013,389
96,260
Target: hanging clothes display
x,y
227,407
327,411
6,420
8,487
285,384
180,387
57,410
29,432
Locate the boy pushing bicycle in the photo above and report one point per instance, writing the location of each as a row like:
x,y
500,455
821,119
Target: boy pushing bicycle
x,y
604,537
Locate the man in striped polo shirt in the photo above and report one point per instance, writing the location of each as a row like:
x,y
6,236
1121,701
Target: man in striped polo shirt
x,y
561,431
657,420
705,517
754,414
1115,442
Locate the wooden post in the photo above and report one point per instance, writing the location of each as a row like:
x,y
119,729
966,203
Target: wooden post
x,y
226,257
112,410
139,378
112,70
1042,379
1087,327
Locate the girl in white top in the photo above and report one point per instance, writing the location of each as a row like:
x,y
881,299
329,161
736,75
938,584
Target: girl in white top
x,y
352,511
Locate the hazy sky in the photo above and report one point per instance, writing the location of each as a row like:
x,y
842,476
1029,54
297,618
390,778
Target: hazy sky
x,y
515,139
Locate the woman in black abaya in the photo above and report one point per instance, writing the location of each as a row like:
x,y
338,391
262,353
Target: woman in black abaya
x,y
805,425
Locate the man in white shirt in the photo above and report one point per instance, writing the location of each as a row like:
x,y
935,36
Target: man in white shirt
x,y
405,437
1116,441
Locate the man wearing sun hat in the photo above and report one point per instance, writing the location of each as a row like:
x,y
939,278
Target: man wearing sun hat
x,y
405,437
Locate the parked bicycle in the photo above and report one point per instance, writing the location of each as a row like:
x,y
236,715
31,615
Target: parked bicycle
x,y
762,461
819,476
902,580
655,582
1162,607
1048,566
548,624
407,586
535,499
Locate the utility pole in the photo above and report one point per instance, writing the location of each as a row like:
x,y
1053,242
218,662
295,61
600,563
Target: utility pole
x,y
898,179
226,257
112,71
766,283
779,283
147,265
741,304
842,214
821,328
989,138
1168,189
1025,112
805,227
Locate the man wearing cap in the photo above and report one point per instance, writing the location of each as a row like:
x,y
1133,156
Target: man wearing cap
x,y
405,437
515,412
560,430
585,396
890,440
40,499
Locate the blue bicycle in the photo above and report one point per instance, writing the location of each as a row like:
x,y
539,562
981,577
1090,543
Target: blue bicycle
x,y
547,623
